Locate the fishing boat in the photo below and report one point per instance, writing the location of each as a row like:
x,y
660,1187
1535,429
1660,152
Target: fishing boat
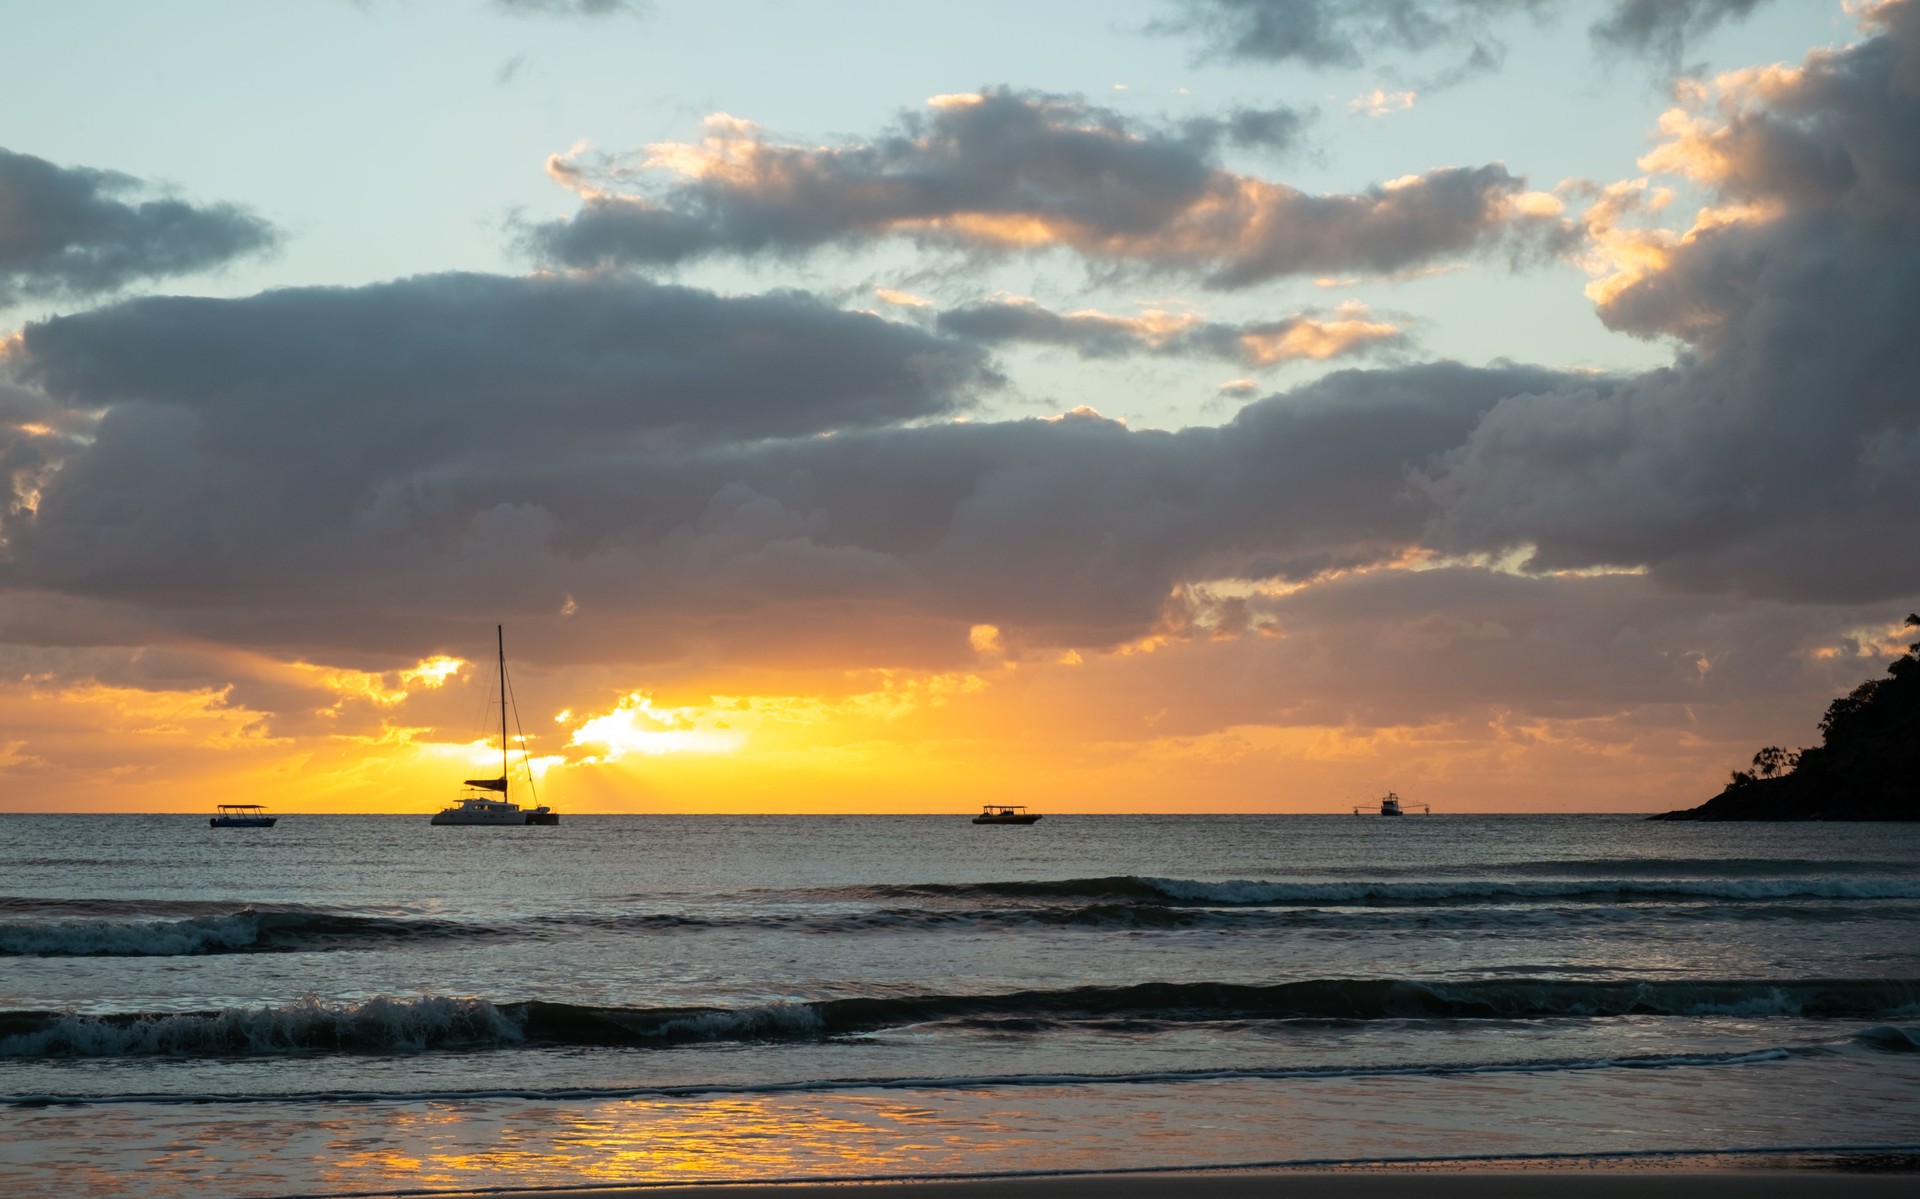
x,y
242,815
1390,805
488,801
1005,814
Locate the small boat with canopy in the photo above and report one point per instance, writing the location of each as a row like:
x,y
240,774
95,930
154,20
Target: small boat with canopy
x,y
1005,814
242,815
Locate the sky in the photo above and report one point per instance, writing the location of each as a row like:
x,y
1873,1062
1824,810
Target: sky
x,y
1160,406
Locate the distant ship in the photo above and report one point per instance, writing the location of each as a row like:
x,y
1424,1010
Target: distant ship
x,y
1005,814
241,815
478,805
1390,806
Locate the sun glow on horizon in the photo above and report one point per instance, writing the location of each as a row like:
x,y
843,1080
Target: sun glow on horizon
x,y
636,726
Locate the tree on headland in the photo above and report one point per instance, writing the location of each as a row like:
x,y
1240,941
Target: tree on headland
x,y
1866,767
1772,760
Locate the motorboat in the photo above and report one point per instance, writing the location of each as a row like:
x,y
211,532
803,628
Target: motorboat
x,y
1005,814
242,815
1390,805
488,801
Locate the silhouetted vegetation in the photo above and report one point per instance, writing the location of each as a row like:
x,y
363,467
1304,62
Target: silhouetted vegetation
x,y
1866,767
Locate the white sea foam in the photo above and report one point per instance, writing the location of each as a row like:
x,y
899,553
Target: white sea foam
x,y
130,938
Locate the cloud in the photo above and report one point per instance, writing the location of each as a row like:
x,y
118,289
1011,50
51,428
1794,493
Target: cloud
x,y
226,522
1349,330
1379,102
1662,28
1277,129
701,478
314,469
1400,647
452,363
321,429
1002,172
1349,34
1780,455
66,233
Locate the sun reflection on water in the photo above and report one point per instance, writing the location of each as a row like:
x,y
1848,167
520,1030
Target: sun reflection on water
x,y
734,1138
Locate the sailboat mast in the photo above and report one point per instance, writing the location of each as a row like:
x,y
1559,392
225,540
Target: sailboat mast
x,y
500,635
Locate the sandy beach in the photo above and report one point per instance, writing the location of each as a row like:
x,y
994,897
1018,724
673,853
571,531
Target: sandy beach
x,y
1574,1181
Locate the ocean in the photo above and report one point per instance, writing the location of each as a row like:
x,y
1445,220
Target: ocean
x,y
349,1004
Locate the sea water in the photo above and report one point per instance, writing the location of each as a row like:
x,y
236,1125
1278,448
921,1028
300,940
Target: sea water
x,y
355,1003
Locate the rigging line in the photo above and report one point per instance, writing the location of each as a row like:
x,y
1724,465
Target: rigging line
x,y
526,759
482,724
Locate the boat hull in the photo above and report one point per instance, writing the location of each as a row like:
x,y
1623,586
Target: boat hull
x,y
241,821
1006,819
480,818
517,818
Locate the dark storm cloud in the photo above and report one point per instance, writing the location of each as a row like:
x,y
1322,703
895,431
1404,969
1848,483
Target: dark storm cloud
x,y
249,425
1005,172
1076,529
66,232
1349,330
1780,455
405,458
458,362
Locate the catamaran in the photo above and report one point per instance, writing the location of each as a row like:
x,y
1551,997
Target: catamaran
x,y
478,805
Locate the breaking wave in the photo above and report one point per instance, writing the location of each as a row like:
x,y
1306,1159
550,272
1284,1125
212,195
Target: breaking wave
x,y
245,931
394,1025
126,928
377,1026
1121,916
1252,892
1889,1038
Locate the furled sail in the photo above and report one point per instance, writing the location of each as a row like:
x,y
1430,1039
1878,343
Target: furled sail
x,y
499,784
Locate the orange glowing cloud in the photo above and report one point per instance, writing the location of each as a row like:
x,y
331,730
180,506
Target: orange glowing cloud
x,y
1706,141
1318,339
1093,333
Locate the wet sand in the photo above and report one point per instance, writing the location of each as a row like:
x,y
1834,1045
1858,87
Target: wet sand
x,y
1802,1179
